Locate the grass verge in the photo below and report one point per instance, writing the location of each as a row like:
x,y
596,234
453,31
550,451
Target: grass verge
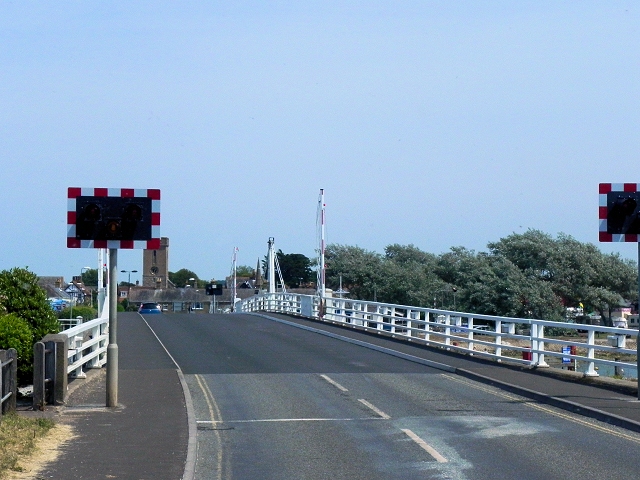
x,y
18,439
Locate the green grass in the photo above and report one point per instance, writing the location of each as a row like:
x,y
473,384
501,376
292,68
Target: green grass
x,y
18,437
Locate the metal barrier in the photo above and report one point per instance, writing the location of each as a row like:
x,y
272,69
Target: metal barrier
x,y
8,380
518,340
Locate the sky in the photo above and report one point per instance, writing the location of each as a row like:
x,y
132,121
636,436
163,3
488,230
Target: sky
x,y
431,123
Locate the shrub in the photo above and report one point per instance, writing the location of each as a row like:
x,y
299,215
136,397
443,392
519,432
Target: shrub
x,y
15,332
87,313
21,295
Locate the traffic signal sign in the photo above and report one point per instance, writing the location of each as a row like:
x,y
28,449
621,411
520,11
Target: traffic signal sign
x,y
113,218
619,212
213,289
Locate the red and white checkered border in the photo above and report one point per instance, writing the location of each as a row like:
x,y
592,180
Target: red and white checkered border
x,y
604,189
152,193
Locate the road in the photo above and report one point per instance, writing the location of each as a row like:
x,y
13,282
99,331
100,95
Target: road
x,y
277,402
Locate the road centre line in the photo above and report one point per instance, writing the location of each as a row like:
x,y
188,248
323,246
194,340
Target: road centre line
x,y
425,446
374,408
334,383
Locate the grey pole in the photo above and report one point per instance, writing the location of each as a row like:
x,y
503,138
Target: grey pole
x,y
638,336
112,349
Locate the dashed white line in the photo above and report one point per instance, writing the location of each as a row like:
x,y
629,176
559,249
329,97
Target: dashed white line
x,y
334,383
374,408
425,446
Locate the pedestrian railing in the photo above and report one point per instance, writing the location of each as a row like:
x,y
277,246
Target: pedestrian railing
x,y
67,354
531,342
86,345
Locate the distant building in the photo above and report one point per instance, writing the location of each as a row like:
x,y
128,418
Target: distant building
x,y
155,266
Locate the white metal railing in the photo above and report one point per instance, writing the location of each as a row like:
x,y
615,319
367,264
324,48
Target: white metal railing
x,y
292,303
519,340
87,346
87,342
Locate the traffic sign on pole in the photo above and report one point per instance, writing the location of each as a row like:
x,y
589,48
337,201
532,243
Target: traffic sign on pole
x,y
114,218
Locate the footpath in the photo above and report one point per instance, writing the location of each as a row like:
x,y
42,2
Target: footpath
x,y
146,436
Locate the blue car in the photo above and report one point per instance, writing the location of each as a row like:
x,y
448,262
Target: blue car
x,y
149,308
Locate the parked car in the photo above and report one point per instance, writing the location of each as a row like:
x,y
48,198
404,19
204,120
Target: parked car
x,y
149,308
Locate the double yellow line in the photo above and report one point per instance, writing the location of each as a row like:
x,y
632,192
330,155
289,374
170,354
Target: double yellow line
x,y
223,469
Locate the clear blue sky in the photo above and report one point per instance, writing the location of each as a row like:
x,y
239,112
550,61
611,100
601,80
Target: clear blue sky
x,y
433,123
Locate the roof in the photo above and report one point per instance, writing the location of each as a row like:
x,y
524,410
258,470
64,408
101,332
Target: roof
x,y
170,295
53,287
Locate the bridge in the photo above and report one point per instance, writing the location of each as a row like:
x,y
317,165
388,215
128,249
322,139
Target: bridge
x,y
294,386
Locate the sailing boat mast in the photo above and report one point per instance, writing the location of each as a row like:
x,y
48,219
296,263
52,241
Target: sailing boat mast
x,y
321,233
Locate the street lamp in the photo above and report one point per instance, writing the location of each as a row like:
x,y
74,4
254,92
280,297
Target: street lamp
x,y
129,282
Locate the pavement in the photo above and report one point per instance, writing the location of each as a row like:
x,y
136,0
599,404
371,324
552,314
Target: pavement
x,y
151,434
148,436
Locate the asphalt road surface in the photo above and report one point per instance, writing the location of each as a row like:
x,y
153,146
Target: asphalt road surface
x,y
276,402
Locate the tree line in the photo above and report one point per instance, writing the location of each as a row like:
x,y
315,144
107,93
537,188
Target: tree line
x,y
529,275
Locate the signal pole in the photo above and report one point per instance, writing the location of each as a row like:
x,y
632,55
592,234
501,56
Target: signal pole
x,y
112,348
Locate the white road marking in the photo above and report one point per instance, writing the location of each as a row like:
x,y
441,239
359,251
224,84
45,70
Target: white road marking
x,y
425,446
374,408
334,383
268,420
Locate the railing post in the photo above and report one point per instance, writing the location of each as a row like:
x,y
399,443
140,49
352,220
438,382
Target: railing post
x,y
447,331
427,327
38,376
8,380
534,343
59,364
591,370
499,339
541,362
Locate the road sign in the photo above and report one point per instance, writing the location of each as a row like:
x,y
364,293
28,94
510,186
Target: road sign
x,y
122,218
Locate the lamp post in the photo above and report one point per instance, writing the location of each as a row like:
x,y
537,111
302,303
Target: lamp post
x,y
129,283
85,284
194,287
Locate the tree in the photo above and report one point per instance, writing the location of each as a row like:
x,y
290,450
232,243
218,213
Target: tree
x,y
90,277
182,277
530,275
359,269
408,276
576,272
295,268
